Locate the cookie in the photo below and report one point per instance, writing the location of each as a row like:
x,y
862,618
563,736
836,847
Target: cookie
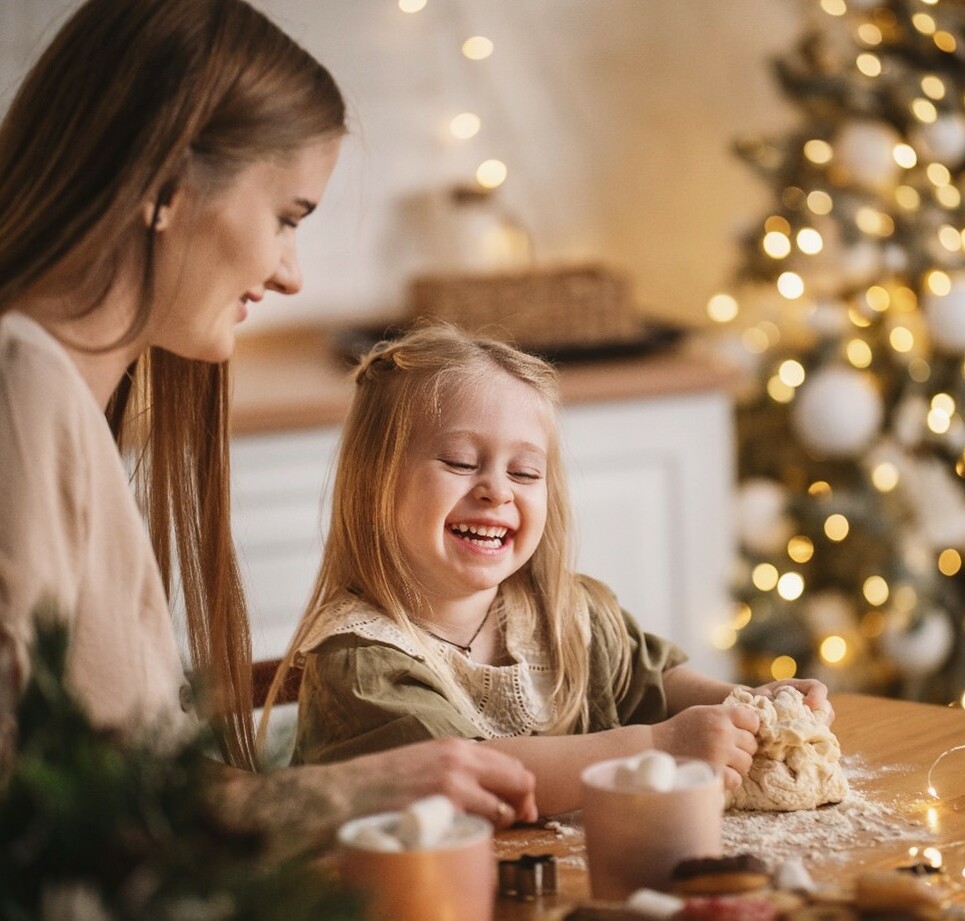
x,y
720,875
891,891
823,913
728,908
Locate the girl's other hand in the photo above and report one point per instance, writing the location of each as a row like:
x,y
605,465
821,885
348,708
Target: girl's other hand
x,y
815,694
724,736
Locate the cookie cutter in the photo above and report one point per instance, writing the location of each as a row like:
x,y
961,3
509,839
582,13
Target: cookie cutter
x,y
528,877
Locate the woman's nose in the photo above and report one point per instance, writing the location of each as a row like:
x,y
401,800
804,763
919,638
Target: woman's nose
x,y
288,276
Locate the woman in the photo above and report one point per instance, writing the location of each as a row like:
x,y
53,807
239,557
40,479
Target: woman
x,y
154,167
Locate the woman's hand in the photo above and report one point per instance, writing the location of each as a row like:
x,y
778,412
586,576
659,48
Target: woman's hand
x,y
724,736
476,778
815,694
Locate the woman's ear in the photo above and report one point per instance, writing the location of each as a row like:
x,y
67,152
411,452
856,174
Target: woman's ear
x,y
156,213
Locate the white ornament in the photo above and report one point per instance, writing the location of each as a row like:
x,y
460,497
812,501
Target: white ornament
x,y
865,151
946,316
938,500
829,318
942,139
837,411
921,649
762,522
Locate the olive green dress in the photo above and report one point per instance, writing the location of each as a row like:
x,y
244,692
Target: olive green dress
x,y
371,684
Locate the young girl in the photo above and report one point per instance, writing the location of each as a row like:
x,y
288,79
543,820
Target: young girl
x,y
154,168
446,603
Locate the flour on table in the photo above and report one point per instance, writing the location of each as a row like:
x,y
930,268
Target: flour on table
x,y
797,763
826,833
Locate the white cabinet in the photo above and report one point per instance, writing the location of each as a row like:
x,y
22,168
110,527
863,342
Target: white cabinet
x,y
651,484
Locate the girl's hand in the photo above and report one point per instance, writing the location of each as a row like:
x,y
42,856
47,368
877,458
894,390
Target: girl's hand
x,y
815,694
724,736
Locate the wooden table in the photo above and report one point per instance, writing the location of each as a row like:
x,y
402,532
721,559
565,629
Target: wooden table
x,y
889,745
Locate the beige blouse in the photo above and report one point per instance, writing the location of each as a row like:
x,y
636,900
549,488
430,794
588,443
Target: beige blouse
x,y
71,533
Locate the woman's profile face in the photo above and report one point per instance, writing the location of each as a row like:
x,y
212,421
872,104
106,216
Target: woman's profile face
x,y
215,255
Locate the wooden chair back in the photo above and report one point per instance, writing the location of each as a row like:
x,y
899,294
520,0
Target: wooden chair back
x,y
262,675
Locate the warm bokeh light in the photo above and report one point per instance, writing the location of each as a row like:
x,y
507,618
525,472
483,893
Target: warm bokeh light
x,y
477,48
875,590
809,241
800,548
836,527
722,308
820,202
908,197
465,125
949,562
901,339
491,173
859,353
819,488
778,390
790,285
764,576
783,667
869,64
412,6
790,586
938,283
833,649
885,476
791,372
933,86
905,156
776,245
818,151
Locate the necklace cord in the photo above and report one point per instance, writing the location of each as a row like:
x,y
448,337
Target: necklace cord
x,y
465,648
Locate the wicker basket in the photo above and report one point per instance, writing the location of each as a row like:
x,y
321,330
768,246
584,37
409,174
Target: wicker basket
x,y
546,309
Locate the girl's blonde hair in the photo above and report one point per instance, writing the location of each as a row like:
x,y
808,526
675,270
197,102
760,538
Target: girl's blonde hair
x,y
132,99
399,385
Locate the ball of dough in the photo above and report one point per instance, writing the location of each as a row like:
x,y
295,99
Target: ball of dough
x,y
797,763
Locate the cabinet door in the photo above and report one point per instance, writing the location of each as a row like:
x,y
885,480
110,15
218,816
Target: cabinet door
x,y
651,484
280,512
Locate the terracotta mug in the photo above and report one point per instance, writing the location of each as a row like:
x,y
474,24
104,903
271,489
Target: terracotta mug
x,y
453,882
634,838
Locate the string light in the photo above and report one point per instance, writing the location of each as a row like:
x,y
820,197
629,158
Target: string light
x,y
931,786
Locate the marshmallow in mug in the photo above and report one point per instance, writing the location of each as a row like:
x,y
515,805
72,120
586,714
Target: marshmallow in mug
x,y
658,771
426,823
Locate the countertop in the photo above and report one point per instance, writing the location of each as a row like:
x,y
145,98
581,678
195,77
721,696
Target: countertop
x,y
294,378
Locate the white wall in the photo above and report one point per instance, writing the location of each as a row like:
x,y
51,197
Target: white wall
x,y
615,118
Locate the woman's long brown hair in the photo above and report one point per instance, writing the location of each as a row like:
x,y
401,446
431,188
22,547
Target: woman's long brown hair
x,y
130,100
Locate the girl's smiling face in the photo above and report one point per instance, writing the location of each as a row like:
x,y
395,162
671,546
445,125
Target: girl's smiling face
x,y
472,493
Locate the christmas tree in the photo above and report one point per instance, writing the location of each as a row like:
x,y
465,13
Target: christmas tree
x,y
848,309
